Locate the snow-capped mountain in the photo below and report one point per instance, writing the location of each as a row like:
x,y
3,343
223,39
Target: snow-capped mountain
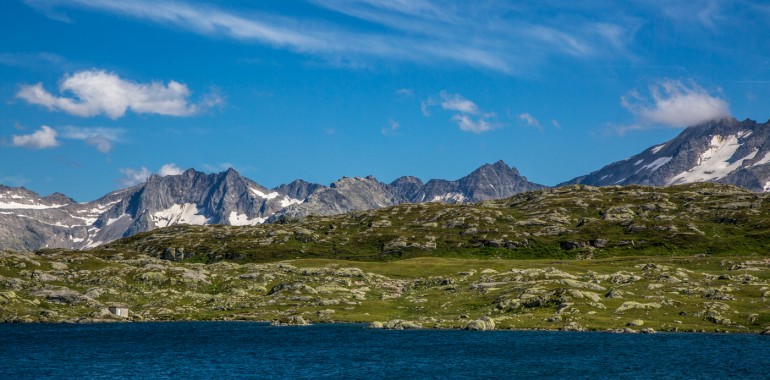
x,y
29,221
725,151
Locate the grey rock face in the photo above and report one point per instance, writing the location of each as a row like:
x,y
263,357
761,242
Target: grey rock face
x,y
30,222
487,182
407,187
725,151
345,195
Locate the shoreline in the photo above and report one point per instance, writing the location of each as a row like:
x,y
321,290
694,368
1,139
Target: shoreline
x,y
368,325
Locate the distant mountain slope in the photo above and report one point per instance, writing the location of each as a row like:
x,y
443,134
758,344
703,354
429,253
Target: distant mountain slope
x,y
575,221
493,181
726,151
29,221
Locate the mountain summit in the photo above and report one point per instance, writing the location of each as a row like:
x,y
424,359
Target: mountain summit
x,y
726,151
29,221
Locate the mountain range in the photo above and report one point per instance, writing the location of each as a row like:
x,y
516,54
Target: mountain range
x,y
724,150
30,222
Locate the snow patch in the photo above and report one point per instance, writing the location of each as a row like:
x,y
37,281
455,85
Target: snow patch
x,y
263,195
713,163
657,149
113,220
653,166
179,214
449,198
237,219
744,134
638,162
92,244
20,206
286,201
764,160
766,189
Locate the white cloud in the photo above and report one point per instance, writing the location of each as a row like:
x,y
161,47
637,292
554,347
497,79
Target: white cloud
x,y
133,177
469,124
169,169
556,123
96,92
530,120
43,138
467,115
676,104
101,138
455,102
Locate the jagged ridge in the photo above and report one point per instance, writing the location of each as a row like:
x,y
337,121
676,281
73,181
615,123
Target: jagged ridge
x,y
30,222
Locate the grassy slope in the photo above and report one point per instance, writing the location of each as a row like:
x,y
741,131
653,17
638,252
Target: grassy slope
x,y
571,222
687,293
521,261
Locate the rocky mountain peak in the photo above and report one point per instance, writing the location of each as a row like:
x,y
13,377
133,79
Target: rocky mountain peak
x,y
59,198
722,150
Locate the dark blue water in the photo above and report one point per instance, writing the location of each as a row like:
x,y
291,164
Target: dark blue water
x,y
204,350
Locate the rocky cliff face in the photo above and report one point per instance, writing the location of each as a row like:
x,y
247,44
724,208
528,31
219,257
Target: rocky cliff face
x,y
726,151
487,182
29,221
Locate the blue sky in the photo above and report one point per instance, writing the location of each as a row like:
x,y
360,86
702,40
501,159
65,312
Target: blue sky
x,y
98,94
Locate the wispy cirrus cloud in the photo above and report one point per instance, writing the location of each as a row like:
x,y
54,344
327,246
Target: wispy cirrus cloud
x,y
530,120
33,60
467,115
96,92
103,139
674,103
391,129
491,35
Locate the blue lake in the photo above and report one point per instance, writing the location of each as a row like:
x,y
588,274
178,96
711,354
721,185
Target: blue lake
x,y
204,350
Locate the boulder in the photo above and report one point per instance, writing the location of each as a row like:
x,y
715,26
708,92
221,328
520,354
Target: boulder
x,y
481,324
573,326
399,324
628,305
376,325
291,320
